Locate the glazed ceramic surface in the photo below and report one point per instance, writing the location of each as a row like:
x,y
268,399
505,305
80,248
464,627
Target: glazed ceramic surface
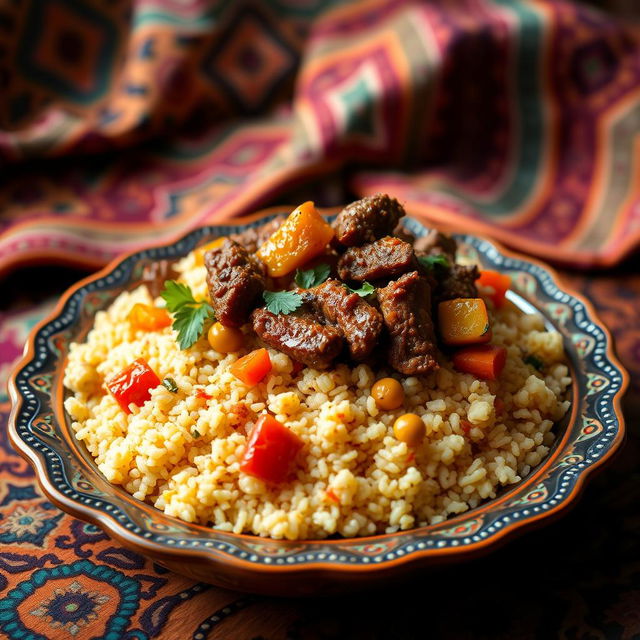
x,y
40,430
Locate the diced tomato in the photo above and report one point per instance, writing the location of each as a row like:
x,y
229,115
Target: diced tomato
x,y
270,451
202,394
330,493
133,385
148,318
466,425
253,367
499,282
484,361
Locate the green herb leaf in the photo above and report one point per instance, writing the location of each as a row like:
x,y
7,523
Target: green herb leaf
x,y
196,434
170,384
189,314
431,263
535,362
365,290
282,301
312,277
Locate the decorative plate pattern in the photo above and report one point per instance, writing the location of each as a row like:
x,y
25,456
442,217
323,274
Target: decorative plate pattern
x,y
39,429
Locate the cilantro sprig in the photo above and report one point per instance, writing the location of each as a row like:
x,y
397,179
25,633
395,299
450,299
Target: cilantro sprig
x,y
364,291
189,314
312,277
284,302
431,263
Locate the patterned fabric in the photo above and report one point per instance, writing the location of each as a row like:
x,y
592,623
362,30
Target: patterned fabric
x,y
511,117
127,122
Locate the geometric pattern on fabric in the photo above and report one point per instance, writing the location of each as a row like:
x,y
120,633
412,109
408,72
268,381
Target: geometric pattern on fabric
x,y
516,119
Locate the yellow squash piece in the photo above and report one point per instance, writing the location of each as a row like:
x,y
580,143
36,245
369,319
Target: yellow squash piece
x,y
302,236
464,321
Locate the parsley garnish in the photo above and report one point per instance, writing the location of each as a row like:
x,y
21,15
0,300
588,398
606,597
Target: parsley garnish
x,y
170,384
365,290
534,361
431,263
189,314
312,277
282,301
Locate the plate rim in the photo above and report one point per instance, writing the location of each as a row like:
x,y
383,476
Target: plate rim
x,y
215,557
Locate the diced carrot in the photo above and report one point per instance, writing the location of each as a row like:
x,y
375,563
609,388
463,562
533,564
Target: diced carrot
x,y
302,236
484,361
148,318
499,282
464,321
253,367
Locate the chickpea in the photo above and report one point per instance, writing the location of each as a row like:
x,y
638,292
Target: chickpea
x,y
388,393
409,428
225,339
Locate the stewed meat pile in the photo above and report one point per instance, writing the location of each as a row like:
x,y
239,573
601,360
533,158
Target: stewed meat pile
x,y
378,298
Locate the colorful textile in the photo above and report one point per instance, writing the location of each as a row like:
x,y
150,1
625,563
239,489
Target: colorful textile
x,y
127,122
511,117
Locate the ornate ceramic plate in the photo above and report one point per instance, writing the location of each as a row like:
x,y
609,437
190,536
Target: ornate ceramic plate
x,y
40,431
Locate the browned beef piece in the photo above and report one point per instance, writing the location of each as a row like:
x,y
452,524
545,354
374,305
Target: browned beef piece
x,y
367,220
235,280
403,234
253,238
357,320
299,336
383,259
436,243
456,282
406,308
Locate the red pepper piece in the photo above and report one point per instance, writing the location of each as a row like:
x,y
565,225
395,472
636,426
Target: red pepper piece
x,y
270,451
133,385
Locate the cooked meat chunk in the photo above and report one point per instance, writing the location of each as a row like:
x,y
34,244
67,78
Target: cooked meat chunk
x,y
357,320
252,239
367,220
403,234
299,336
457,281
383,259
235,280
406,308
436,243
